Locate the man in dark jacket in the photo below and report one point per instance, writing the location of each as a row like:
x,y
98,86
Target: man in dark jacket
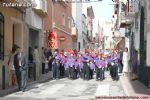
x,y
21,66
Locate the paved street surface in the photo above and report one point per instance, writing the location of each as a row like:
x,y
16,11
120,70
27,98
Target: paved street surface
x,y
66,89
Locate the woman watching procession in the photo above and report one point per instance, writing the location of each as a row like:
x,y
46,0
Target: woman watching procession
x,y
73,64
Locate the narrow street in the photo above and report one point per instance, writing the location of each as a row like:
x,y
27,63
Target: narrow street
x,y
42,41
66,89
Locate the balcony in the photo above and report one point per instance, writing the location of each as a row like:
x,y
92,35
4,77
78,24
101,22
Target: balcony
x,y
63,2
74,33
40,12
127,20
40,8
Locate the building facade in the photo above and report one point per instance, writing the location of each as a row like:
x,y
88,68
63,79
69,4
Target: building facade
x,y
90,17
84,31
107,34
12,31
22,26
59,20
35,29
134,17
77,16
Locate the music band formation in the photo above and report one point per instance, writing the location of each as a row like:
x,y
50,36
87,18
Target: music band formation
x,y
73,64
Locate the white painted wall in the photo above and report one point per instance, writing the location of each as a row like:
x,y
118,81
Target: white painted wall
x,y
107,28
77,15
84,28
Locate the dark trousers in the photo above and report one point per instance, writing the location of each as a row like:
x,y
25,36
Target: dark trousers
x,y
70,72
24,77
111,70
97,73
120,65
104,72
80,73
55,71
50,65
43,68
114,72
75,76
62,70
18,75
100,73
91,74
86,72
67,72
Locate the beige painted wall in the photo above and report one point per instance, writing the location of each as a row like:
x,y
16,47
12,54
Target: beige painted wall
x,y
11,16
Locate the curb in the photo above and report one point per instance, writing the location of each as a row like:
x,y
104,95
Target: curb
x,y
124,86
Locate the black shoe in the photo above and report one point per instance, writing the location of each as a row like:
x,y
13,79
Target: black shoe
x,y
23,90
19,88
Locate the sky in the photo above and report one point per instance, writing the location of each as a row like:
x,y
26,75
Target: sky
x,y
103,10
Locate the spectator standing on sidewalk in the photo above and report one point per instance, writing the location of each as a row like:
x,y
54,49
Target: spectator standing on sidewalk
x,y
49,58
23,63
12,76
17,67
43,60
125,61
36,60
30,71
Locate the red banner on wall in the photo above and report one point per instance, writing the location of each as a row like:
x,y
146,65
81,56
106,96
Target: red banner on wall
x,y
52,40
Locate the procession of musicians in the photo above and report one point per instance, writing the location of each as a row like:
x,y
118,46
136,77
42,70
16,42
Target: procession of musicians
x,y
73,64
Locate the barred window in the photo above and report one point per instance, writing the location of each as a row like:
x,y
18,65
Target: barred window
x,y
1,36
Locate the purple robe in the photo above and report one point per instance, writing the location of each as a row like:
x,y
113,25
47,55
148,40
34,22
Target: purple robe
x,y
103,63
71,62
66,66
62,60
76,64
98,63
80,63
92,66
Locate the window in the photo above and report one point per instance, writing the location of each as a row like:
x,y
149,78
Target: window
x,y
1,36
69,23
63,19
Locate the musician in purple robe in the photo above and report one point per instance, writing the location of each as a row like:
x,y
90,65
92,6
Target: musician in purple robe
x,y
71,65
55,67
80,65
85,67
75,72
62,62
66,66
92,68
98,66
104,66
